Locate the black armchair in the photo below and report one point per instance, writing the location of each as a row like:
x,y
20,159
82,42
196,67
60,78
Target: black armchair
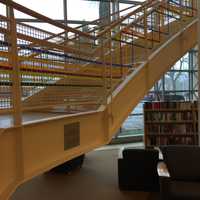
x,y
180,173
137,170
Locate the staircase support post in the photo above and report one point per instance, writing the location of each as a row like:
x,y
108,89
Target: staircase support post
x,y
16,98
13,61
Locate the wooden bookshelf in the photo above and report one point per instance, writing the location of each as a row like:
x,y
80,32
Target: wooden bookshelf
x,y
168,123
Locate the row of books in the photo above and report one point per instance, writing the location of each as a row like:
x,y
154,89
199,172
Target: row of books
x,y
170,105
172,140
172,129
169,116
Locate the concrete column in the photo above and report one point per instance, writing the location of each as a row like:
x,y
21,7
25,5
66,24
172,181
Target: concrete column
x,y
104,12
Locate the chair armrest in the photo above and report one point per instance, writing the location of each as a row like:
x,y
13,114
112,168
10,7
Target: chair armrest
x,y
120,155
160,153
162,170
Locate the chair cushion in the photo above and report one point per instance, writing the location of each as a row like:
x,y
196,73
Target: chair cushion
x,y
183,162
140,154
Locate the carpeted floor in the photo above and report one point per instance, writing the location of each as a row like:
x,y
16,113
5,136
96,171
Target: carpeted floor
x,y
96,180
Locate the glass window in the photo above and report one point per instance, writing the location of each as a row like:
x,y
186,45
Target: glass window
x,y
134,124
48,8
83,10
3,9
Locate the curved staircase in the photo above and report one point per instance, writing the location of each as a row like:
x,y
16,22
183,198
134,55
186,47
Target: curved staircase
x,y
84,84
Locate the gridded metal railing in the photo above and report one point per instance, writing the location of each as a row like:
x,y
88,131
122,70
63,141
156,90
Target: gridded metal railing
x,y
76,71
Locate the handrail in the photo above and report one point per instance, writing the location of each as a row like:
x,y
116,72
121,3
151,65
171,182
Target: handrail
x,y
148,12
116,23
99,55
151,3
69,29
44,18
58,24
51,35
80,33
97,20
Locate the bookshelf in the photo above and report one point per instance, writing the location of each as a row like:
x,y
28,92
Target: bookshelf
x,y
168,123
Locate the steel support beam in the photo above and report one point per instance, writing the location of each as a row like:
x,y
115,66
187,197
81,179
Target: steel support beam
x,y
198,41
163,88
65,16
115,9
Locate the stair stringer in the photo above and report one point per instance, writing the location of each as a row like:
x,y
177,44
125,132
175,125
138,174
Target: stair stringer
x,y
137,84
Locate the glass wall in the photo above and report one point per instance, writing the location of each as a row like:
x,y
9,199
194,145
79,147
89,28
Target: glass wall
x,y
48,8
83,10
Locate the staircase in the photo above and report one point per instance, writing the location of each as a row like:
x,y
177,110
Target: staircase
x,y
90,81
